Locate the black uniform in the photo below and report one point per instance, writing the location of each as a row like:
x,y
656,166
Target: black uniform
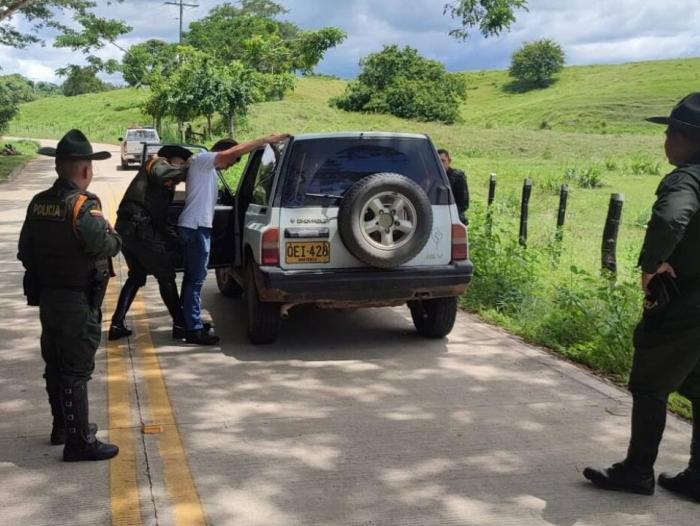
x,y
460,190
65,246
142,222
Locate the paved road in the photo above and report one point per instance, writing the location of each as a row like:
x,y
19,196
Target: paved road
x,y
350,420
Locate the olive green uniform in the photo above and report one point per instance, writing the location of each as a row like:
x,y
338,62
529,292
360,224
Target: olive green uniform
x,y
142,220
65,246
667,344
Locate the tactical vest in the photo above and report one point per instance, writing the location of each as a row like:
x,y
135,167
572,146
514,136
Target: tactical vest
x,y
59,258
686,257
153,199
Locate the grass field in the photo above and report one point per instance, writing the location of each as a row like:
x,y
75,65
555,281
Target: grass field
x,y
8,163
586,128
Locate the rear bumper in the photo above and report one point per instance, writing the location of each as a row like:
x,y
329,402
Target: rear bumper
x,y
363,287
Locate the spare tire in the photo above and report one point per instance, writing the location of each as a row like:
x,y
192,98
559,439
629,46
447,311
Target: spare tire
x,y
385,220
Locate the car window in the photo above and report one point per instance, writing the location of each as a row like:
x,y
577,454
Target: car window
x,y
265,176
329,167
142,135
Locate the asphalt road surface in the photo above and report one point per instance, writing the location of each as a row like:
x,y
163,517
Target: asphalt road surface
x,y
351,419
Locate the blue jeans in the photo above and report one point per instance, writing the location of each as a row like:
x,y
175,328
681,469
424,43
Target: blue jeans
x,y
197,246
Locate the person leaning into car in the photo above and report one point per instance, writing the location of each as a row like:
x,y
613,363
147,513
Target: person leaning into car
x,y
195,224
142,223
667,340
458,183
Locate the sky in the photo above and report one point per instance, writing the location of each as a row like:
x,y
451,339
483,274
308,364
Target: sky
x,y
590,31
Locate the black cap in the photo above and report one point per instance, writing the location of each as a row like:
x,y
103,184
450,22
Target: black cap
x,y
685,115
173,150
224,144
74,145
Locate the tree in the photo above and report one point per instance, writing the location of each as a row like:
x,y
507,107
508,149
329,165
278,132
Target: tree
x,y
144,61
405,84
491,16
43,14
536,63
251,34
20,89
8,107
80,80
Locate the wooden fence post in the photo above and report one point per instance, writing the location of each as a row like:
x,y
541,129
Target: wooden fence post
x,y
612,229
489,211
524,207
561,216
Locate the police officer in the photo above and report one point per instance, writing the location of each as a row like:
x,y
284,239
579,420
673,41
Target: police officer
x,y
667,340
65,246
458,183
142,221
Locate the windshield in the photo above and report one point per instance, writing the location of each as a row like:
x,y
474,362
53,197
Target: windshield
x,y
142,135
322,170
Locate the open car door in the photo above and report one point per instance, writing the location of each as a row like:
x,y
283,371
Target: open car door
x,y
223,248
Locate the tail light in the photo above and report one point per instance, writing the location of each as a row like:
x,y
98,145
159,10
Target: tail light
x,y
460,245
270,250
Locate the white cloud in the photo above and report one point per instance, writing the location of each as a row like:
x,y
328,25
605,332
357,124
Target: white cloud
x,y
591,31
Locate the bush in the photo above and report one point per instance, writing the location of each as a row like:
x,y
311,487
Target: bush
x,y
8,107
537,62
584,178
402,83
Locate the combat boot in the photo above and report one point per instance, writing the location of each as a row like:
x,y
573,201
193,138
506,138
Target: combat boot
x,y
636,473
58,434
81,444
201,337
118,328
687,482
180,333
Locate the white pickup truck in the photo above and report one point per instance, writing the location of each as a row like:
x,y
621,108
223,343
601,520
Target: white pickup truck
x,y
133,142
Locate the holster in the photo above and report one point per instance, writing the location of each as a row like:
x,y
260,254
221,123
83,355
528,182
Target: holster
x,y
32,289
102,273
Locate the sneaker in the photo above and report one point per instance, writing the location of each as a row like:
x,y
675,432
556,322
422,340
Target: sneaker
x,y
180,333
686,483
201,337
620,477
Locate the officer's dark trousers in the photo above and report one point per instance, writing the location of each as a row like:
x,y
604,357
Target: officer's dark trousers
x,y
666,359
70,336
145,253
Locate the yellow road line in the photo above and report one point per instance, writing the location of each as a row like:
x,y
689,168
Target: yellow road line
x,y
179,484
123,482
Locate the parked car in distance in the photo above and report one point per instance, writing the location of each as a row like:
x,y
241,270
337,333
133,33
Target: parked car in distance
x,y
341,221
132,145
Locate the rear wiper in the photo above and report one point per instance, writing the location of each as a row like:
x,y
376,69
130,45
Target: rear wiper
x,y
325,196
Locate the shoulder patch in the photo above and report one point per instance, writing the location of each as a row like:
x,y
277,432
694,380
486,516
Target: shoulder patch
x,y
48,210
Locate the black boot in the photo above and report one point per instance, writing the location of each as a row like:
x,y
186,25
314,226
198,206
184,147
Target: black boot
x,y
687,482
180,333
118,328
58,434
81,444
636,473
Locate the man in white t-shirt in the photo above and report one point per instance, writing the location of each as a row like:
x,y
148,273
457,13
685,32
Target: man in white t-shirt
x,y
195,223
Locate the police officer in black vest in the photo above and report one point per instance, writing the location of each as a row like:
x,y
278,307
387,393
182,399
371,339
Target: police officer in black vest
x,y
667,340
458,184
65,246
142,221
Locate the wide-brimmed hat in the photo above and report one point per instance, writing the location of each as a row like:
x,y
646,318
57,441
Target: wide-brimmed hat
x,y
224,144
685,115
173,150
74,145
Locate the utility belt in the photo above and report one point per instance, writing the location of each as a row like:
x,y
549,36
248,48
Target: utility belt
x,y
94,290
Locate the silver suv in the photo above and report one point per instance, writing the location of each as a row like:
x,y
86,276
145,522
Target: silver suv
x,y
342,220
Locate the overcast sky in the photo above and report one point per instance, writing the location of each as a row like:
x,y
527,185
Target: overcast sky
x,y
591,32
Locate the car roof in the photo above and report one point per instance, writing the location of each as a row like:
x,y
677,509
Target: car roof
x,y
358,135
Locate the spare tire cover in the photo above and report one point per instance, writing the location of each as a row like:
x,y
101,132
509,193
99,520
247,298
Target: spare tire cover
x,y
385,220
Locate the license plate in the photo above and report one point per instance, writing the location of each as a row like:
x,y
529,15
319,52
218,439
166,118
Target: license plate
x,y
308,252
